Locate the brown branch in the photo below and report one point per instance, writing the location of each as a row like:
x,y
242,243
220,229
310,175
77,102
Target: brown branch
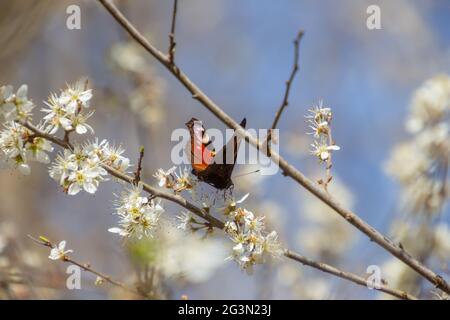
x,y
285,101
347,275
214,222
286,167
86,267
172,43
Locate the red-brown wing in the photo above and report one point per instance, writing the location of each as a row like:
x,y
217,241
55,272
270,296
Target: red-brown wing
x,y
200,156
219,172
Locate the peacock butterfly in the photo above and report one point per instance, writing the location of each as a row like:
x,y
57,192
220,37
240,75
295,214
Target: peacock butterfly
x,y
212,167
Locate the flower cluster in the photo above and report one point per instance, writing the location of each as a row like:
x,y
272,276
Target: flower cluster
x,y
78,169
170,179
108,154
15,106
138,215
319,121
68,109
19,146
252,244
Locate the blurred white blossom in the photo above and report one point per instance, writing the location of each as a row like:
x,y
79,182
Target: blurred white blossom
x,y
187,255
19,146
15,106
419,163
325,233
430,103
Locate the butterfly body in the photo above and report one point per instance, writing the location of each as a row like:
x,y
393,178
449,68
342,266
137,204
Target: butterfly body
x,y
214,168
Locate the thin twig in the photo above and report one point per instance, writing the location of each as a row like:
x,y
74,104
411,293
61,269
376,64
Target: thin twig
x,y
172,43
288,83
285,101
137,174
285,166
86,267
214,222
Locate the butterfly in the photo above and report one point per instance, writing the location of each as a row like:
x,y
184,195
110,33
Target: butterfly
x,y
214,168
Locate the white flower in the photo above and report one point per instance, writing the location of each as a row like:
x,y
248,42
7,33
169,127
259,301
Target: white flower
x,y
319,128
58,253
37,149
79,122
13,146
165,178
57,115
322,150
138,216
76,96
114,158
108,154
320,114
63,165
5,93
185,221
15,106
184,180
252,223
272,245
82,179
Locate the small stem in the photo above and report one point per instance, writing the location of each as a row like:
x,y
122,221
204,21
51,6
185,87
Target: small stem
x,y
172,43
285,101
329,162
137,174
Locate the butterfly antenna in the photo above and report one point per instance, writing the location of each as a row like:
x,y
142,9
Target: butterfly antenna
x,y
247,173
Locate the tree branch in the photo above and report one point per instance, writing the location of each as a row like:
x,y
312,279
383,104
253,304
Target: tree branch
x,y
286,167
346,275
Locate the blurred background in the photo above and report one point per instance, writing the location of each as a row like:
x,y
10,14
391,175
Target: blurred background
x,y
240,53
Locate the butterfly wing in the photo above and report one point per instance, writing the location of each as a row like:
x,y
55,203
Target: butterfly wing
x,y
200,156
219,172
